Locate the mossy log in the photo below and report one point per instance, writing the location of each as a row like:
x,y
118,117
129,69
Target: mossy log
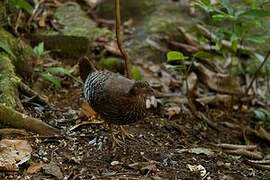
x,y
18,120
21,54
16,57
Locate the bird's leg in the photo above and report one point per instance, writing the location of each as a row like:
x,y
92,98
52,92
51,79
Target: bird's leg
x,y
125,134
115,140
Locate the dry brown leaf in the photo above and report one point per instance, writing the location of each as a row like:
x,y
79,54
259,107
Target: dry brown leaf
x,y
172,111
34,168
54,170
13,152
112,48
87,111
216,81
216,99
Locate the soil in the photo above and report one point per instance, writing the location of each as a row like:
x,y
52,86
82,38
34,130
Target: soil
x,y
158,149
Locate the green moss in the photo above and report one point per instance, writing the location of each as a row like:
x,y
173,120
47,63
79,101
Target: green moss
x,y
165,20
8,81
136,73
77,23
115,64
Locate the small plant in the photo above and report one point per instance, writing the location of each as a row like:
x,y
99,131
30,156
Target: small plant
x,y
39,50
177,59
263,117
21,4
238,24
5,46
52,75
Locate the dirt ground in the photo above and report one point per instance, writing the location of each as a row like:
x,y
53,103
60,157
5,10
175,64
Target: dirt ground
x,y
160,149
181,147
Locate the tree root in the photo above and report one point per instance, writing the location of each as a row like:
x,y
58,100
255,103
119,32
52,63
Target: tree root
x,y
18,120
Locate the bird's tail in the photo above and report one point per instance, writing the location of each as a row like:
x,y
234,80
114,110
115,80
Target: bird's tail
x,y
86,67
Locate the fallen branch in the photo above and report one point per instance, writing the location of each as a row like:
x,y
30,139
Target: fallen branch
x,y
18,120
258,165
246,153
260,162
11,131
236,146
29,92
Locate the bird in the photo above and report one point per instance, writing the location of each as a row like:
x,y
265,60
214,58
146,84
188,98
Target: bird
x,y
117,99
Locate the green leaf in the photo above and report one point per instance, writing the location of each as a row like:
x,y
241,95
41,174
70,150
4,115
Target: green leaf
x,y
222,17
39,49
6,48
49,77
256,13
257,39
206,2
227,5
136,73
175,56
22,4
58,71
262,114
203,55
235,44
259,115
205,5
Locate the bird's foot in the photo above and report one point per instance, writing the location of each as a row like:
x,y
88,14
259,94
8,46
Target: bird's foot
x,y
119,137
116,141
125,134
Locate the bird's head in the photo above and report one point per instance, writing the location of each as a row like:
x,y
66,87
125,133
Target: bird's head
x,y
141,88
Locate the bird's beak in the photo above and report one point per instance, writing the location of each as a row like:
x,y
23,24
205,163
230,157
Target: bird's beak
x,y
151,102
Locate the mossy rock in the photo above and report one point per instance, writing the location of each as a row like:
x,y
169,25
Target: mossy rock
x,y
135,9
115,64
77,23
76,35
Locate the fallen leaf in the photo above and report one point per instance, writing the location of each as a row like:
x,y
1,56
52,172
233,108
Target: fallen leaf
x,y
198,150
197,168
13,153
53,170
172,111
87,111
34,168
219,82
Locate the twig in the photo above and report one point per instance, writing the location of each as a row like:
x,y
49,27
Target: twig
x,y
260,166
118,38
29,92
236,146
246,153
256,73
125,174
11,131
260,162
189,39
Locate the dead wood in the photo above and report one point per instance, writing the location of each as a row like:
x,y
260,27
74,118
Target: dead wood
x,y
18,120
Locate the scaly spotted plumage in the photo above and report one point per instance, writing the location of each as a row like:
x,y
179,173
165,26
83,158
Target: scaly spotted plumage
x,y
115,98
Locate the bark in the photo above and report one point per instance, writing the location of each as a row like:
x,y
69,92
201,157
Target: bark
x,y
18,120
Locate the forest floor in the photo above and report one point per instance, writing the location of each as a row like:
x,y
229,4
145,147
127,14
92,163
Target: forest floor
x,y
164,146
159,150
